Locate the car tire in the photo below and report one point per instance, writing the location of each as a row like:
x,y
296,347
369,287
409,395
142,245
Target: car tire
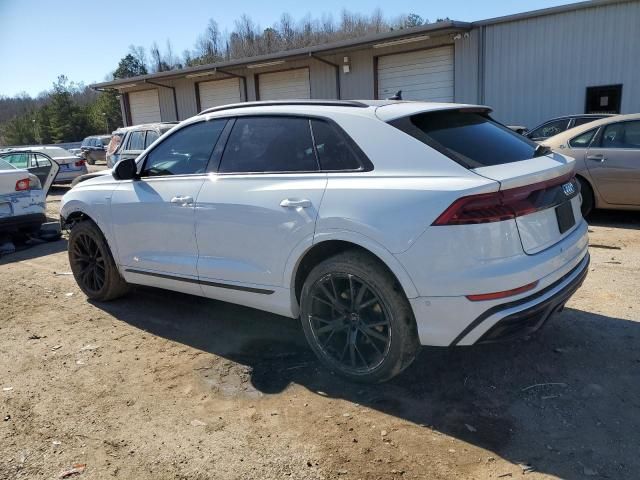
x,y
92,263
587,198
365,335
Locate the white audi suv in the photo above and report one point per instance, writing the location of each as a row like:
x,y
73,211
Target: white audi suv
x,y
381,225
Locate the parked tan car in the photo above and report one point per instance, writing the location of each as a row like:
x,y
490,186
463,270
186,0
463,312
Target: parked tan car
x,y
607,154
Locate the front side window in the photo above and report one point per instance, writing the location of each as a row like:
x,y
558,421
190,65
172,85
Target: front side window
x,y
269,144
583,140
621,135
136,141
335,152
549,129
151,137
185,152
470,138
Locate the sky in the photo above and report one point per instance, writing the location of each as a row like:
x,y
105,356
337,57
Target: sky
x,y
84,40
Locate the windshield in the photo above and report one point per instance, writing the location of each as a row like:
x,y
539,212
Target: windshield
x,y
470,138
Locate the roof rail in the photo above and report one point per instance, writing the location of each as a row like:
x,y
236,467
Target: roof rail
x,y
325,103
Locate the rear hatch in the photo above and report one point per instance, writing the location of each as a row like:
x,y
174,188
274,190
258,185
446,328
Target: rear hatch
x,y
547,194
537,187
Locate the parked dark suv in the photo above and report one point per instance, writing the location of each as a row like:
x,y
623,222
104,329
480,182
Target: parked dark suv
x,y
560,124
136,139
93,148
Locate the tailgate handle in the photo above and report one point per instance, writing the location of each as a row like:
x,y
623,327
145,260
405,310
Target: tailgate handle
x,y
596,158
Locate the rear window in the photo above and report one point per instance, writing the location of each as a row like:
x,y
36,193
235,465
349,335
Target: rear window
x,y
470,138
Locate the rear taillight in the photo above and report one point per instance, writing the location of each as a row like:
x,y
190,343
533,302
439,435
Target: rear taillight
x,y
80,163
22,185
504,204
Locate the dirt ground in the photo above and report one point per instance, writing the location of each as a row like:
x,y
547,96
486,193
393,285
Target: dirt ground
x,y
161,385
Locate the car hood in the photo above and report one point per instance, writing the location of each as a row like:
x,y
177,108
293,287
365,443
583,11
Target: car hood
x,y
94,178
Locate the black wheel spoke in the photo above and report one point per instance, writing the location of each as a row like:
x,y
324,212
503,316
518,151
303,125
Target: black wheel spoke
x,y
368,303
351,341
370,332
90,262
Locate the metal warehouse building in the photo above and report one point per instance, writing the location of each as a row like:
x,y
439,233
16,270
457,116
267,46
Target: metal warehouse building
x,y
578,58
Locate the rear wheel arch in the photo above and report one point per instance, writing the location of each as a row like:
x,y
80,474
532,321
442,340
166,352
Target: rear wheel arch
x,y
588,193
327,248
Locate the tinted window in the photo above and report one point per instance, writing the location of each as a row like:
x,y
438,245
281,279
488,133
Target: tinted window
x,y
18,160
582,120
152,136
470,138
186,151
549,129
335,152
583,141
136,141
621,135
269,144
42,161
104,141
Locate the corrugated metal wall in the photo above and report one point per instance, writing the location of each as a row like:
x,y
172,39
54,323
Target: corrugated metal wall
x,y
539,68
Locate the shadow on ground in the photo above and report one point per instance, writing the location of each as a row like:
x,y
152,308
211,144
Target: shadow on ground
x,y
33,249
588,420
615,218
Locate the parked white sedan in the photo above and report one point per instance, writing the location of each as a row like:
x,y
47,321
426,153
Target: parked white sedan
x,y
382,225
22,198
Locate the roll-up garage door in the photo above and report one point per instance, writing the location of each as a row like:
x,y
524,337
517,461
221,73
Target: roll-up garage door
x,y
219,92
145,107
421,75
290,84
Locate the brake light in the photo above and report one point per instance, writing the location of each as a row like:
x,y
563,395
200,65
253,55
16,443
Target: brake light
x,y
500,205
503,294
22,185
80,163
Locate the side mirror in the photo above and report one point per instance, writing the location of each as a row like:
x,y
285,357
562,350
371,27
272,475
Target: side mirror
x,y
126,169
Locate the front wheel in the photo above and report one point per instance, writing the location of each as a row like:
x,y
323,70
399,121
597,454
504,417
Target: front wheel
x,y
92,264
357,319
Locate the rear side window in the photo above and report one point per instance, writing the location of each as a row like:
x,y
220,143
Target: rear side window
x,y
335,151
152,136
185,152
469,138
550,129
18,160
269,144
136,141
582,120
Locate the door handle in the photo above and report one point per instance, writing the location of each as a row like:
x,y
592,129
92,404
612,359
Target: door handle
x,y
596,158
182,200
295,203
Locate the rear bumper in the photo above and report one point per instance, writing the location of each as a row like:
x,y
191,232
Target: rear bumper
x,y
68,176
451,321
531,319
32,221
